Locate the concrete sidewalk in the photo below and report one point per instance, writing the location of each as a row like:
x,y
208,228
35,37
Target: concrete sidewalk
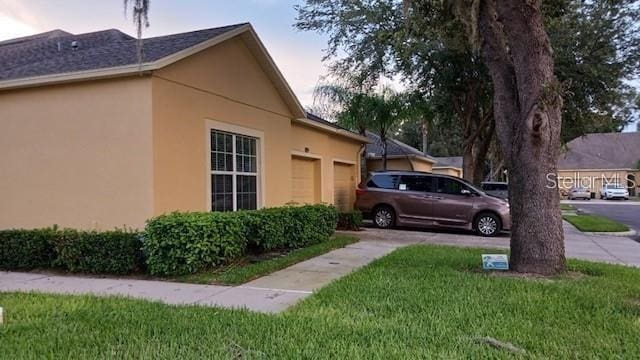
x,y
272,293
278,291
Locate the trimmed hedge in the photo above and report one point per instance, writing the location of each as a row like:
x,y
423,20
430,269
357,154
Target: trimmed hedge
x,y
110,252
182,243
350,221
289,227
173,244
27,249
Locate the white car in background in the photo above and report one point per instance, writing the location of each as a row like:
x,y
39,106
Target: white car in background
x,y
614,191
578,192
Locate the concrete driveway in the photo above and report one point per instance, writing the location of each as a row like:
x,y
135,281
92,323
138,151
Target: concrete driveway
x,y
610,249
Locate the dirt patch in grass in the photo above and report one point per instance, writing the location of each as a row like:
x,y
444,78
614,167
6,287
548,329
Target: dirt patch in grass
x,y
635,302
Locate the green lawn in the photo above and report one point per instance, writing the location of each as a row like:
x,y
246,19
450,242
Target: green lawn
x,y
418,302
243,271
567,207
595,223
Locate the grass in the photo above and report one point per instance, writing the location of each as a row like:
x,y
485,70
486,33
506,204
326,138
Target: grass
x,y
418,302
567,207
595,223
244,271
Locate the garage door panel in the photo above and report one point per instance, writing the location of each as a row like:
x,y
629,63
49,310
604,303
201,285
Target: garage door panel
x,y
344,186
305,180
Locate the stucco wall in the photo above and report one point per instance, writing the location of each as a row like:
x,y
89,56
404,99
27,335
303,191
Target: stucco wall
x,y
307,141
421,165
448,171
400,164
225,84
77,155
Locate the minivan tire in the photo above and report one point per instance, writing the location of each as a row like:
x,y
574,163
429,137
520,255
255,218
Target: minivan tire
x,y
487,224
384,217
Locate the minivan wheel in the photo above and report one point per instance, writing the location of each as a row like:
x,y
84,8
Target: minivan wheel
x,y
487,224
384,217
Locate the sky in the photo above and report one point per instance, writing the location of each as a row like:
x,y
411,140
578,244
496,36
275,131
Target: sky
x,y
297,54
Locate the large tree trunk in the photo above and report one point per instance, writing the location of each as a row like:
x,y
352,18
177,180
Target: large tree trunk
x,y
527,107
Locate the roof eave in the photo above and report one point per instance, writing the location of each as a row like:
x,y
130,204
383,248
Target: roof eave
x,y
412,156
447,167
326,128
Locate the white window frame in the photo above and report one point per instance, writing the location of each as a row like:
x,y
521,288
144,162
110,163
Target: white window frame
x,y
232,129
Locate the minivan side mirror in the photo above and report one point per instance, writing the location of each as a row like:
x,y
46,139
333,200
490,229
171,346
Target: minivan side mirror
x,y
465,192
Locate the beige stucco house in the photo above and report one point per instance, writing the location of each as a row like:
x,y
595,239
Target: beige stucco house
x,y
594,159
91,139
400,156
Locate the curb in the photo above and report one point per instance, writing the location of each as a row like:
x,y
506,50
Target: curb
x,y
618,233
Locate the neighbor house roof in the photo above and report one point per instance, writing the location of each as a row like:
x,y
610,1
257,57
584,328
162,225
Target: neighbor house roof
x,y
59,57
449,162
395,148
602,151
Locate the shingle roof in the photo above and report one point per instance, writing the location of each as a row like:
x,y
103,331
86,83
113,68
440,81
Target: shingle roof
x,y
602,151
394,148
51,52
452,161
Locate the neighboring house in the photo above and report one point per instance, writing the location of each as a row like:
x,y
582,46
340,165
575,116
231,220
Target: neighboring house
x,y
451,165
91,139
400,156
596,158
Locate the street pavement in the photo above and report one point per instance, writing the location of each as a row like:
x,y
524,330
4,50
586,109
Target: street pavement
x,y
626,212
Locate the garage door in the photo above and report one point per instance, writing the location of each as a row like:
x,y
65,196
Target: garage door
x,y
305,183
344,186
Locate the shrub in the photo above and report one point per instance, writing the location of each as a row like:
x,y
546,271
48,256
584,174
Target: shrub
x,y
108,252
310,224
350,220
26,249
288,227
265,229
182,243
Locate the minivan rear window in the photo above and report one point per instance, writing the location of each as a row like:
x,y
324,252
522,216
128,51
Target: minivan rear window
x,y
384,181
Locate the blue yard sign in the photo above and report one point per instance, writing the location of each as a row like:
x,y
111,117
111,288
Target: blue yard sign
x,y
495,262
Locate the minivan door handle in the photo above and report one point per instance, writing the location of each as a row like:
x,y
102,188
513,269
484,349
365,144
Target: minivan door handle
x,y
433,197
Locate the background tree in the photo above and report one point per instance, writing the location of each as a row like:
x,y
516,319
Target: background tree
x,y
140,12
361,110
432,54
429,51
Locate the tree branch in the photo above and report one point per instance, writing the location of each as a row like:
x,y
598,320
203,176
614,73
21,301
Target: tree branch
x,y
498,60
